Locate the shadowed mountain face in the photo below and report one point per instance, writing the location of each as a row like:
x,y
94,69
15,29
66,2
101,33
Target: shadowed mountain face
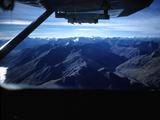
x,y
85,63
144,69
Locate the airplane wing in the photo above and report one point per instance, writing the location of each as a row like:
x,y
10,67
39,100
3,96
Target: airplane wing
x,y
85,11
90,11
35,3
132,6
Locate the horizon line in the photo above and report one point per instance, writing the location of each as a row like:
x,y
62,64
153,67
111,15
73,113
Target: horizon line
x,y
147,37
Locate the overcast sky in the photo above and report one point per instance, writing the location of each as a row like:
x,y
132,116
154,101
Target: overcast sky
x,y
145,23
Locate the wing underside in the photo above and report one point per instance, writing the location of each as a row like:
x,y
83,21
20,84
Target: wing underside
x,y
81,11
89,11
34,3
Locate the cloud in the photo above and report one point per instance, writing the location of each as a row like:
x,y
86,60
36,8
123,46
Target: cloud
x,y
86,29
15,22
4,36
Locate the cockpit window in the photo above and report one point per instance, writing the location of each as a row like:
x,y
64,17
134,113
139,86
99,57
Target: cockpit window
x,y
95,45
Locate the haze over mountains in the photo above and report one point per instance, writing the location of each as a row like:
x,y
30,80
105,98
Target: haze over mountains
x,y
86,63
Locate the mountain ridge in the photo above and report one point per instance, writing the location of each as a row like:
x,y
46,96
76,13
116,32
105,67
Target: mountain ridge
x,y
84,63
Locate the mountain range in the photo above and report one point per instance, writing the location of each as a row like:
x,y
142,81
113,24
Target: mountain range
x,y
86,63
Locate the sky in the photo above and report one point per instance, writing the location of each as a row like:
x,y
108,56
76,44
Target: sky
x,y
145,23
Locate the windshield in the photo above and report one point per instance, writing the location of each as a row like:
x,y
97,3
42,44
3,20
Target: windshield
x,y
121,53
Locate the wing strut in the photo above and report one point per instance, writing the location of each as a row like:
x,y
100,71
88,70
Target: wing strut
x,y
10,45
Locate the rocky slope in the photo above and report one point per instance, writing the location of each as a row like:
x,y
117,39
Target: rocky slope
x,y
77,65
143,69
85,63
